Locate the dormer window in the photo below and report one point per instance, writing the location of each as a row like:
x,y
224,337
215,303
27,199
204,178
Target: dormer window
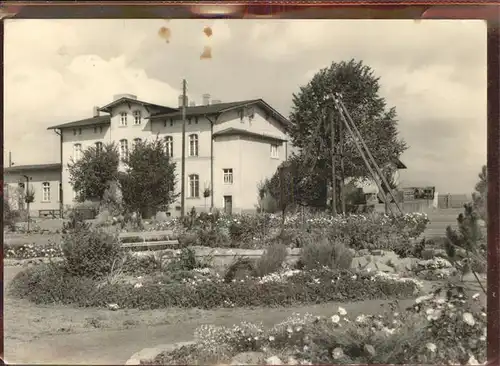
x,y
123,119
137,117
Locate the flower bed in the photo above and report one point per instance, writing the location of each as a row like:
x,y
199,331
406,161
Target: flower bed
x,y
253,231
436,330
50,283
28,251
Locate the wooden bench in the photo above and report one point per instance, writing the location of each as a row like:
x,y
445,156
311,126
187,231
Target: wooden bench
x,y
52,213
145,235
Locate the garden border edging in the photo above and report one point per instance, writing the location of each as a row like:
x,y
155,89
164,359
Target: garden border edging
x,y
147,354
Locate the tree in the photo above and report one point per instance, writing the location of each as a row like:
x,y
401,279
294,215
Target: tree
x,y
313,107
148,183
470,241
480,196
294,184
91,175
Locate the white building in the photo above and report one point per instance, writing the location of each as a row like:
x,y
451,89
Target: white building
x,y
230,147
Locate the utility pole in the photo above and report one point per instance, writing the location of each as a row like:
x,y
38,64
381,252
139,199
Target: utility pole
x,y
183,159
10,159
334,173
342,171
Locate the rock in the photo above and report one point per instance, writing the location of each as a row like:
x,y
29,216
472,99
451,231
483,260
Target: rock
x,y
113,307
378,266
292,361
248,358
274,360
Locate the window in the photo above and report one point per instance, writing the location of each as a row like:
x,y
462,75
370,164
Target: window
x,y
194,186
46,192
123,119
74,131
123,149
100,129
95,129
98,146
79,131
169,146
171,122
189,121
274,151
193,145
196,120
137,117
250,113
77,151
228,176
136,141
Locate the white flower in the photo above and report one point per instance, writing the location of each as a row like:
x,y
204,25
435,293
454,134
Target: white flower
x,y
431,347
388,331
472,361
342,311
360,319
475,296
335,318
138,285
271,338
289,330
337,353
468,319
422,298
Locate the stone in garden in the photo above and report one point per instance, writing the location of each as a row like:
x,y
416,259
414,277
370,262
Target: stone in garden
x,y
274,360
113,307
248,358
378,266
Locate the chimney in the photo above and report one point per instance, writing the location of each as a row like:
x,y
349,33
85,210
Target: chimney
x,y
206,99
216,101
192,103
96,111
180,101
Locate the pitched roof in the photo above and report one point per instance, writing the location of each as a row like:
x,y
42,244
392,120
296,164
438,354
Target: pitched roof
x,y
218,108
231,131
21,168
101,120
164,109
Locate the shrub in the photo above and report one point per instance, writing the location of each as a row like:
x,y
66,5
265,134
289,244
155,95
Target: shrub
x,y
320,252
240,268
90,252
10,217
271,260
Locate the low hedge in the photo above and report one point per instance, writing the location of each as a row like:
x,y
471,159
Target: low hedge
x,y
52,284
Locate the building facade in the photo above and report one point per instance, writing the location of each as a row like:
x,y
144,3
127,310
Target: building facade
x,y
42,180
230,147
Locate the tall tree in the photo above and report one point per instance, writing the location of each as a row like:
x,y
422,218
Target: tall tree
x,y
90,176
313,108
480,196
295,184
148,183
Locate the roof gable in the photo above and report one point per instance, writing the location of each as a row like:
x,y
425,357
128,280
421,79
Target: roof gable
x,y
219,108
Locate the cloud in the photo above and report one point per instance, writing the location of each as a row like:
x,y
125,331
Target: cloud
x,y
433,72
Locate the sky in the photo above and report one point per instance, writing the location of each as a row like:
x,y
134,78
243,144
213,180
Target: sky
x,y
433,72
